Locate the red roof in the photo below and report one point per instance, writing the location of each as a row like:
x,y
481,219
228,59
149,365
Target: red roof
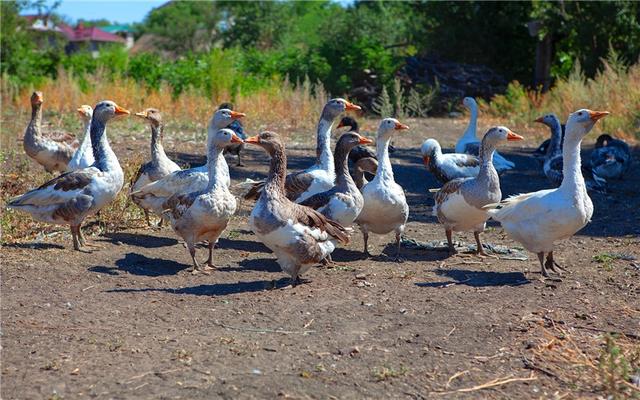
x,y
80,34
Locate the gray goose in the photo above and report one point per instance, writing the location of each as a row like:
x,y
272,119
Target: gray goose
x,y
611,157
159,166
459,202
298,235
51,154
343,202
69,198
321,175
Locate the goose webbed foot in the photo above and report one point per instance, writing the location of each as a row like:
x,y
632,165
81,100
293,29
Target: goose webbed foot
x,y
197,268
553,265
548,264
450,246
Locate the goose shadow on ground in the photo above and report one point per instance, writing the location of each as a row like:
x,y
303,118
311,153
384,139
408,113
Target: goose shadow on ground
x,y
477,278
139,239
35,246
138,264
253,264
243,245
408,254
217,289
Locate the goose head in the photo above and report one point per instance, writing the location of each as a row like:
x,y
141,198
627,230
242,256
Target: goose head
x,y
36,98
222,138
107,109
429,149
499,134
223,117
350,140
388,126
469,102
580,122
350,123
86,112
269,141
152,115
550,120
337,106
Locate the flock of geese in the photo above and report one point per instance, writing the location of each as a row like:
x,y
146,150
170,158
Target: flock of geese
x,y
303,216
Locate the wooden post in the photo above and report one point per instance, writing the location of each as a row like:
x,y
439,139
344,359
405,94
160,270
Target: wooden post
x,y
542,73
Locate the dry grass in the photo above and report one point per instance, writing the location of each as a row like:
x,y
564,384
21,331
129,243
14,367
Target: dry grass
x,y
615,88
587,360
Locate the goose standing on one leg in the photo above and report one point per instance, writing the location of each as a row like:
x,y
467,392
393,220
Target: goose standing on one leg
x,y
203,215
470,144
539,219
51,154
446,167
83,157
459,202
72,196
159,166
153,195
298,235
321,175
385,206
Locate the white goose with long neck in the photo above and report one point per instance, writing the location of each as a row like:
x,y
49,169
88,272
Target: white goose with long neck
x,y
469,135
83,157
324,156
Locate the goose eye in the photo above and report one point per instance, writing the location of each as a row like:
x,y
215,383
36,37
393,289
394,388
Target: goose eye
x,y
580,113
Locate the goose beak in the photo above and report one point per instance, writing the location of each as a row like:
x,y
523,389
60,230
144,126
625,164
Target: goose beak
x,y
253,140
236,139
80,111
426,160
596,115
121,111
401,126
513,136
352,107
142,114
540,119
39,98
237,115
364,140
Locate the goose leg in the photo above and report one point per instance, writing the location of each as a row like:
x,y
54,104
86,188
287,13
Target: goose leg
x,y
160,222
479,248
452,249
240,164
76,240
542,267
398,237
553,265
365,238
209,264
146,217
196,267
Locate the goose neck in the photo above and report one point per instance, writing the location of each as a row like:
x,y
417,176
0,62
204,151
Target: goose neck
x,y
385,171
343,177
555,144
36,120
277,174
324,156
213,168
487,174
157,150
105,158
571,165
473,121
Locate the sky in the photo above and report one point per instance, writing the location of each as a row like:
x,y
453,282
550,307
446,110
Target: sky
x,y
123,11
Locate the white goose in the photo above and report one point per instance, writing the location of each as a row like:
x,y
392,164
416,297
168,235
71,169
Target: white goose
x,y
72,196
470,144
459,202
204,214
385,205
160,165
446,167
153,195
83,157
539,219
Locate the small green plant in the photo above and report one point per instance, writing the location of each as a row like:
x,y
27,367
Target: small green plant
x,y
616,369
398,99
607,259
382,105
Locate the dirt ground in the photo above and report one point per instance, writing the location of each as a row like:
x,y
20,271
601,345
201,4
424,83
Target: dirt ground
x,y
129,322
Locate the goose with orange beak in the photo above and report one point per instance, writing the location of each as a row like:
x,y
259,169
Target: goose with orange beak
x,y
83,157
343,202
72,196
321,175
385,207
203,215
459,202
539,219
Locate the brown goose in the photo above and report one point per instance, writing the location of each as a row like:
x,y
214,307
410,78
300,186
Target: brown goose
x,y
159,166
298,235
72,196
51,154
321,175
343,202
459,202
